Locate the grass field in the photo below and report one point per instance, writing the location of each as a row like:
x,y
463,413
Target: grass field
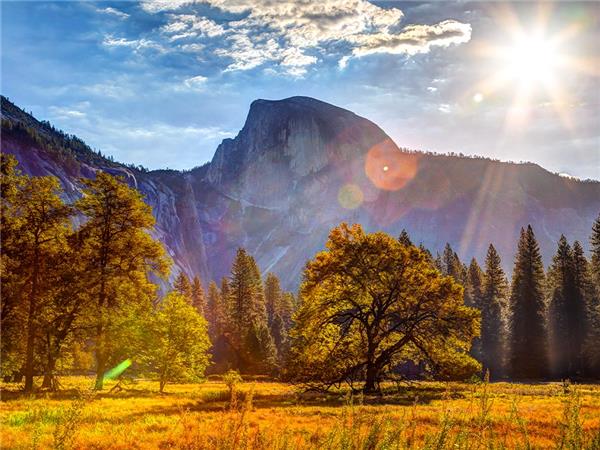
x,y
266,415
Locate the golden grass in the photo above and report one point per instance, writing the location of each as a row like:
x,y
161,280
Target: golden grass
x,y
268,415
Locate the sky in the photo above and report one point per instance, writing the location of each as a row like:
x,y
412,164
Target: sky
x,y
162,83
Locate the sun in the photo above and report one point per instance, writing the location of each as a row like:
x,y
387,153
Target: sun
x,y
527,64
532,59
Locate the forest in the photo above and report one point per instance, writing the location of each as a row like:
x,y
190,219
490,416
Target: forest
x,y
85,289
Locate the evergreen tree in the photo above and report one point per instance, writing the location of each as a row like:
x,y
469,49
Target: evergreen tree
x,y
528,334
404,238
119,256
472,294
273,296
595,249
452,266
197,295
588,332
427,254
214,311
562,297
474,285
182,286
247,316
493,304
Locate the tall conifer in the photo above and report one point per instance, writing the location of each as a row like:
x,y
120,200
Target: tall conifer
x,y
493,303
528,357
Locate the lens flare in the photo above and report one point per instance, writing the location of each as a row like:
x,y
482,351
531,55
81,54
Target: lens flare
x,y
117,370
388,168
350,196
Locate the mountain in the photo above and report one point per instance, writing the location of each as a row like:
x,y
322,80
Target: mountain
x,y
300,166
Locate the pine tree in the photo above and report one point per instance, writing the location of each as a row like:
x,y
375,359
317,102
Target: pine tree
x,y
474,285
183,287
197,295
404,238
427,254
214,311
247,315
452,266
595,250
273,296
493,303
562,297
588,332
472,296
528,334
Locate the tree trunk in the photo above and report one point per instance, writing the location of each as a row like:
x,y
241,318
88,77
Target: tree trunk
x,y
29,369
371,380
47,383
100,363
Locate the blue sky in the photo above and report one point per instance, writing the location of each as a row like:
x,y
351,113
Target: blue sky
x,y
161,83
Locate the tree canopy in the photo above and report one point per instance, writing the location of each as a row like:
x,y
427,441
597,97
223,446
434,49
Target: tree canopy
x,y
371,303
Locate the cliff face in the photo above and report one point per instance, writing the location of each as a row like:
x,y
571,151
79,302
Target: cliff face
x,y
299,167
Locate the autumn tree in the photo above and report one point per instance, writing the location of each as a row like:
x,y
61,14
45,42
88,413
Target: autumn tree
x,y
494,300
370,303
42,231
12,312
177,341
119,255
528,357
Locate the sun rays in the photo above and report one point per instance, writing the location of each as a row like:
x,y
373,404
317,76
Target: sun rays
x,y
531,66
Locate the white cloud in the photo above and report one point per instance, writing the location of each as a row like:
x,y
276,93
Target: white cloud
x,y
136,44
114,12
444,108
197,83
289,34
62,113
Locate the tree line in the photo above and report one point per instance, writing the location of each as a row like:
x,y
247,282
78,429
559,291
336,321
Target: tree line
x,y
80,289
543,324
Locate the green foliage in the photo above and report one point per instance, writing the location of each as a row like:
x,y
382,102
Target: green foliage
x,y
247,324
183,287
198,297
494,303
176,341
528,332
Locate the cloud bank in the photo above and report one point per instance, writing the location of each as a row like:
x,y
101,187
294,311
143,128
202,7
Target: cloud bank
x,y
293,36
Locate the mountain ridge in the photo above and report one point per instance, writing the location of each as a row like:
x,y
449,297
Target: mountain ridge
x,y
280,185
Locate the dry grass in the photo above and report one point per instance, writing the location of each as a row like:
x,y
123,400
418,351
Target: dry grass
x,y
275,416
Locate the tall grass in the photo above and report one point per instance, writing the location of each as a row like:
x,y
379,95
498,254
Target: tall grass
x,y
358,429
264,416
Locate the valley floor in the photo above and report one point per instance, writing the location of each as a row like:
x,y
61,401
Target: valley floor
x,y
267,415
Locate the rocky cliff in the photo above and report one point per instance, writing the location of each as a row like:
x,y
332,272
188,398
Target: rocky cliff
x,y
299,167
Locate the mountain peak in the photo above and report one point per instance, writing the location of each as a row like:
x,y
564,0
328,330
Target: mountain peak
x,y
292,137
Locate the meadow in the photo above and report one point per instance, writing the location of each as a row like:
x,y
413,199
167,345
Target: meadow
x,y
270,415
